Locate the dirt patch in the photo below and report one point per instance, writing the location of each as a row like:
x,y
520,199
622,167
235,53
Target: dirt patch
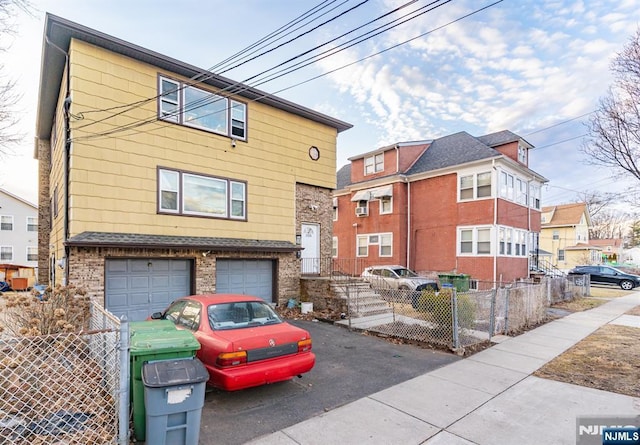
x,y
608,359
580,304
634,311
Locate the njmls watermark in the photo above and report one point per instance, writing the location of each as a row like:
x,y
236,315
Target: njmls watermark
x,y
608,430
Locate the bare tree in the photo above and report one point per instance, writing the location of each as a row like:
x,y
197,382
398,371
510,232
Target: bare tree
x,y
614,128
9,96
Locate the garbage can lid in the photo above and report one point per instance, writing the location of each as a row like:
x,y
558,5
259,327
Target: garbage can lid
x,y
173,372
163,341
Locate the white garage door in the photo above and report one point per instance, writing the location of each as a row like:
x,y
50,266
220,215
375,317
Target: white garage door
x,y
248,277
138,287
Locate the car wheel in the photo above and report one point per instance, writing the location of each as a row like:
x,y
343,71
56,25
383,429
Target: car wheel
x,y
403,287
579,281
626,285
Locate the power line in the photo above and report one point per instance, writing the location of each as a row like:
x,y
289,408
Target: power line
x,y
154,118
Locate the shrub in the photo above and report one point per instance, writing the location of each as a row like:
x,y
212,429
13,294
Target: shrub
x,y
62,309
439,306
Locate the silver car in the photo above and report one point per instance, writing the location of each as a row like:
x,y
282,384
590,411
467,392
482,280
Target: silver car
x,y
397,277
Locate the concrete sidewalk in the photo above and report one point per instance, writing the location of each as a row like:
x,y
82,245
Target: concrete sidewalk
x,y
488,398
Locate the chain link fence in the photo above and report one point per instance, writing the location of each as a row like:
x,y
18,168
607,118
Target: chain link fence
x,y
62,388
457,320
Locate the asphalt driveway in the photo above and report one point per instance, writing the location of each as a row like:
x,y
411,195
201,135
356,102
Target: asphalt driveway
x,y
349,366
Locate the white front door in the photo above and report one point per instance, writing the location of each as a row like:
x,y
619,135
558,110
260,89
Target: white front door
x,y
311,248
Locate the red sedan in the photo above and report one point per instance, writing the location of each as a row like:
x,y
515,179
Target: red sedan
x,y
243,341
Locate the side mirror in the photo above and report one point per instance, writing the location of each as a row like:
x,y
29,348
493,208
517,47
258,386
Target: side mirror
x,y
156,316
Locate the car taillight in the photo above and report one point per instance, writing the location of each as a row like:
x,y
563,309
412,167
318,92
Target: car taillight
x,y
232,358
304,345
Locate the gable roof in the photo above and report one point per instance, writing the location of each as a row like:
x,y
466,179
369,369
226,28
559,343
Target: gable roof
x,y
566,214
501,138
58,33
17,198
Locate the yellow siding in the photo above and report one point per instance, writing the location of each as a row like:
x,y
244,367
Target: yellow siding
x,y
114,177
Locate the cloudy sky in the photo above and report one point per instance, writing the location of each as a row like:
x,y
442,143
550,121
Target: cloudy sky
x,y
536,68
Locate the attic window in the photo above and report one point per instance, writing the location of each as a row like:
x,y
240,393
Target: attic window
x,y
522,154
374,164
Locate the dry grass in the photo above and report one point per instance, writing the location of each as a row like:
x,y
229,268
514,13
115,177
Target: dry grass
x,y
608,359
580,304
634,311
608,292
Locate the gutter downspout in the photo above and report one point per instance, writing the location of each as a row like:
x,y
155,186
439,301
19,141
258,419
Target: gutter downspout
x,y
495,223
65,159
406,180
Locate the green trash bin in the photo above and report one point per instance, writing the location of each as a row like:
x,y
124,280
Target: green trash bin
x,y
461,282
151,341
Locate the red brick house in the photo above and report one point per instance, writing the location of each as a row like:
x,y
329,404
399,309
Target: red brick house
x,y
457,204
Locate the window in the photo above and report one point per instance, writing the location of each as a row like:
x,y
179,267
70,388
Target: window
x,y
334,247
362,245
522,154
502,240
32,224
466,187
386,205
475,241
484,241
191,194
363,208
6,222
556,234
199,108
32,253
335,209
6,253
560,254
374,164
512,241
466,241
506,186
475,186
522,197
386,247
55,202
534,196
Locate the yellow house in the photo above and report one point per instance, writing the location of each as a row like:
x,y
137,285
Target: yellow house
x,y
160,179
565,234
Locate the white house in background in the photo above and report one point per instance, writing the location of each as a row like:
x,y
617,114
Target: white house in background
x,y
18,231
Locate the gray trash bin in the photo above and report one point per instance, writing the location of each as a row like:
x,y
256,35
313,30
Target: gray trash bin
x,y
173,397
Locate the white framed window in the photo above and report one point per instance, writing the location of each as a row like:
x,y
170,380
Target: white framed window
x,y
6,253
475,241
334,247
474,186
32,224
32,253
6,222
534,196
362,208
522,154
200,195
196,107
374,239
362,245
386,205
560,254
521,191
335,209
386,244
513,242
556,235
374,164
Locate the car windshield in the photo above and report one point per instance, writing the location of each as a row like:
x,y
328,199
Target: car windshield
x,y
242,314
402,272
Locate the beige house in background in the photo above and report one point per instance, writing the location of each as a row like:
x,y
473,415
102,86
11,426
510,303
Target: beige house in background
x,y
612,249
565,234
159,179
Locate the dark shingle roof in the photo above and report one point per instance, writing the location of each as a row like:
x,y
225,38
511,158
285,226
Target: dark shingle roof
x,y
455,149
137,240
498,138
343,177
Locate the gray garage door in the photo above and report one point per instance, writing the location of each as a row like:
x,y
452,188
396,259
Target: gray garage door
x,y
138,287
248,277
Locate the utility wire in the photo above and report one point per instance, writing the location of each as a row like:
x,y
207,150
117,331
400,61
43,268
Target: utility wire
x,y
154,118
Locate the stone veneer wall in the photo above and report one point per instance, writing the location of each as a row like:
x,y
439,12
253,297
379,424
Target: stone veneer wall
x,y
315,205
87,268
44,210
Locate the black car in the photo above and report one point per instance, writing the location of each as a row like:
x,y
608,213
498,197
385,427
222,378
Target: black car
x,y
606,275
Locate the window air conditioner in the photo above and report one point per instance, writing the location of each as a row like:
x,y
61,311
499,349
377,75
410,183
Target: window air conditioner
x,y
362,211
